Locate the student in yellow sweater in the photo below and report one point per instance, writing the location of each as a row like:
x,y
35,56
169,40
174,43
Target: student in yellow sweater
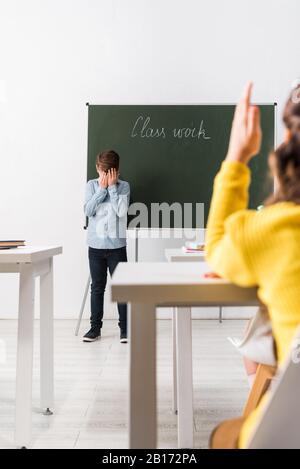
x,y
260,248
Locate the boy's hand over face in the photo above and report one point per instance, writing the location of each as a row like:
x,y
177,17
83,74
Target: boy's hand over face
x,y
103,180
112,176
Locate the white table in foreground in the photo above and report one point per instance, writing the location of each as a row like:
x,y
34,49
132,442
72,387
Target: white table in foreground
x,y
30,262
145,286
183,357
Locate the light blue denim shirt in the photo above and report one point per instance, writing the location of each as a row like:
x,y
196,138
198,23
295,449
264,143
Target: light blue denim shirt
x,y
107,212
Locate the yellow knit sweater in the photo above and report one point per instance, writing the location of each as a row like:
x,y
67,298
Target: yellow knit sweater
x,y
260,248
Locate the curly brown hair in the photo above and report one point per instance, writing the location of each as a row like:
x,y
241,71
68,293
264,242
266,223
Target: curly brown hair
x,y
287,155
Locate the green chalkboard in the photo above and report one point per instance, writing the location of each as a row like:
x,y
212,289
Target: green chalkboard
x,y
171,153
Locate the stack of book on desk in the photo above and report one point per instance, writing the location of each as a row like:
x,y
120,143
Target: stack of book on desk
x,y
193,247
11,243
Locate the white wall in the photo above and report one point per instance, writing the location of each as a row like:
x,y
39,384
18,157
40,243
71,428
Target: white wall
x,y
55,55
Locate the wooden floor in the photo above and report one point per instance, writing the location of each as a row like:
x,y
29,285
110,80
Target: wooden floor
x,y
91,386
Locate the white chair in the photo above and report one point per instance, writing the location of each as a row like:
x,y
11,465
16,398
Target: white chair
x,y
279,426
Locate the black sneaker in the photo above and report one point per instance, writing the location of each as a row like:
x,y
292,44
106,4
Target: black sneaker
x,y
123,337
92,335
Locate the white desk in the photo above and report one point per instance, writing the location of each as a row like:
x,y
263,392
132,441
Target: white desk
x,y
30,262
179,255
183,358
148,285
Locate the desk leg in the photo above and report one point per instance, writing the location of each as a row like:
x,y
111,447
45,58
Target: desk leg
x,y
184,378
220,314
46,340
24,356
142,376
175,407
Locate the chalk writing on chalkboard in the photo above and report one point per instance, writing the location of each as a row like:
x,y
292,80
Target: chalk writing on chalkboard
x,y
143,128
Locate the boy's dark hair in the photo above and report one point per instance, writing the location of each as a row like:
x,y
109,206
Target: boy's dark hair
x,y
108,159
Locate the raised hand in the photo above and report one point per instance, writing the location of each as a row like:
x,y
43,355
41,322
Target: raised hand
x,y
245,138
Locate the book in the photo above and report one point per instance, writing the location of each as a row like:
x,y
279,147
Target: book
x,y
7,244
193,247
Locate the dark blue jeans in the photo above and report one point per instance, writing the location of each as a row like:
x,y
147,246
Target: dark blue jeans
x,y
100,260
